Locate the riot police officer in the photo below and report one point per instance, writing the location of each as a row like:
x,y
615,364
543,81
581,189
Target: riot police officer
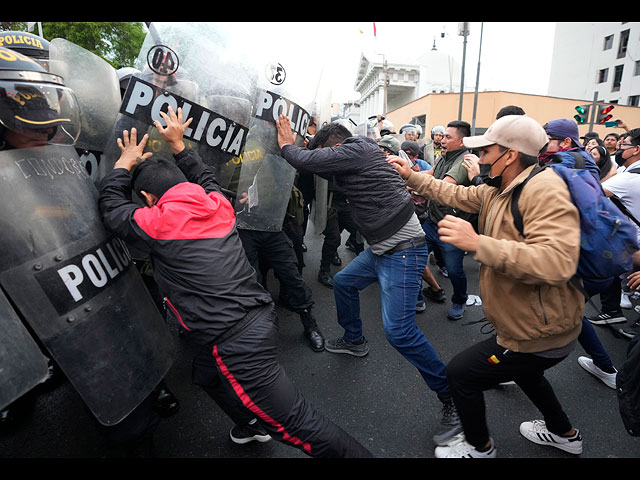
x,y
39,124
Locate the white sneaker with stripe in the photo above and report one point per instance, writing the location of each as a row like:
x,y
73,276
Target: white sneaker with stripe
x,y
536,431
459,448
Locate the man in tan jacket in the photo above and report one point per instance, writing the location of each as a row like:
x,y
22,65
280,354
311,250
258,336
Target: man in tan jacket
x,y
525,287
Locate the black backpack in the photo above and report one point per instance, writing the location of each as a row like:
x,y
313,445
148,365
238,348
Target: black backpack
x,y
628,388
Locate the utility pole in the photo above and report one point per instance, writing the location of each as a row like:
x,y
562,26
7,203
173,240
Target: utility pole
x,y
594,106
463,30
475,97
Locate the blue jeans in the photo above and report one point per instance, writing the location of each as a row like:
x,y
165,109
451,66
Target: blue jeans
x,y
453,260
400,278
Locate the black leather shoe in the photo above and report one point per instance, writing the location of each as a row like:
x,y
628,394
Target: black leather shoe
x,y
357,248
316,340
325,279
434,295
166,402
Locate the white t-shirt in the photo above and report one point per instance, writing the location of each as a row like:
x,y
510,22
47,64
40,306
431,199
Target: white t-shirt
x,y
626,186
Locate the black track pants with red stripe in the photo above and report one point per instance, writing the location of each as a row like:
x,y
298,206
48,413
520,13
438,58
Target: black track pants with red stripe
x,y
243,376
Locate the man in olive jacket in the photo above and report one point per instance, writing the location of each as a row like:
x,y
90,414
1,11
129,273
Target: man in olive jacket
x,y
526,294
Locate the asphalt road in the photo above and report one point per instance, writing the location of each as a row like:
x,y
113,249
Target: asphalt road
x,y
380,399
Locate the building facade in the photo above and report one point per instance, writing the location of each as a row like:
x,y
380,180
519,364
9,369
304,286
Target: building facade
x,y
600,58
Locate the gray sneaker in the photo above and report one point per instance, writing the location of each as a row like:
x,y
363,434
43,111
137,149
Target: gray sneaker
x,y
632,330
340,345
450,425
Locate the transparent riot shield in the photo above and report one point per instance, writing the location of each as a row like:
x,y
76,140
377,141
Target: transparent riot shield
x,y
287,84
319,207
23,365
200,68
95,83
74,284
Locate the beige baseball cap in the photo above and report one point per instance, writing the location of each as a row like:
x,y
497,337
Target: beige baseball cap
x,y
518,132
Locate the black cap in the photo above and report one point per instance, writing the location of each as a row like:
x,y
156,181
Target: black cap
x,y
411,146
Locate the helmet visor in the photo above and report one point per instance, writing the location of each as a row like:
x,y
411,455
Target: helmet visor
x,y
43,113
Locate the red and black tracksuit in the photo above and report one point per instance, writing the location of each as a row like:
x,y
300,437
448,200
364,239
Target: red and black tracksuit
x,y
200,267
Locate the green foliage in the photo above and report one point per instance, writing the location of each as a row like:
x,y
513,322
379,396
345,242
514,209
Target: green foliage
x,y
118,43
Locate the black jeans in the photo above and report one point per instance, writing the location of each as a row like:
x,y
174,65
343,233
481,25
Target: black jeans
x,y
277,250
339,218
242,374
485,365
610,298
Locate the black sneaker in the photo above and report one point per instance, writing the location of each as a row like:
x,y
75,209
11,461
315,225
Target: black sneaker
x,y
340,345
631,330
437,296
248,433
608,318
450,425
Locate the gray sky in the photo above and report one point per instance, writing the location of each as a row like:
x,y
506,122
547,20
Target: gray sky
x,y
515,56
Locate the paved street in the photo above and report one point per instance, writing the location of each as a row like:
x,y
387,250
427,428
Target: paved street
x,y
380,399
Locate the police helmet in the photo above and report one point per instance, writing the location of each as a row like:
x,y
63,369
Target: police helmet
x,y
408,128
438,129
35,103
390,143
387,128
345,123
28,44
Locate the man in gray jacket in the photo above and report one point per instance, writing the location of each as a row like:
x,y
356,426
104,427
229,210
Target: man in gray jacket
x,y
384,214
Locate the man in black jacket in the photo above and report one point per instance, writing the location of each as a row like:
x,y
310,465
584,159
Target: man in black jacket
x,y
202,271
384,214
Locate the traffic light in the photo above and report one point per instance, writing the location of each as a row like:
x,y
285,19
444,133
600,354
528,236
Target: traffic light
x,y
604,114
583,113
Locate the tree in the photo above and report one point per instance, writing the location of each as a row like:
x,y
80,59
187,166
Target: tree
x,y
118,43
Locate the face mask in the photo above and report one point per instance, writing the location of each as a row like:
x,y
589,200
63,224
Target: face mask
x,y
497,180
619,160
485,172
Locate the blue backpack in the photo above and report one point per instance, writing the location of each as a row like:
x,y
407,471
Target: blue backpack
x,y
608,239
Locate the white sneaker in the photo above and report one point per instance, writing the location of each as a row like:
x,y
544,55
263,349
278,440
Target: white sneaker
x,y
625,301
459,448
609,379
536,431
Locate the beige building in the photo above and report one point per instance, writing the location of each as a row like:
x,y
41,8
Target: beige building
x,y
442,108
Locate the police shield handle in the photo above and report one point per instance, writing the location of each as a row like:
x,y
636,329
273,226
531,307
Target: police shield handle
x,y
400,165
132,152
174,130
285,132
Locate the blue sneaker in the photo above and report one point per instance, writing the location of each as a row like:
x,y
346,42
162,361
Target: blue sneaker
x,y
456,311
421,307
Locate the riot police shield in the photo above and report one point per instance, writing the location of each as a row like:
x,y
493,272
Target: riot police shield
x,y
319,207
73,284
287,84
23,365
195,66
95,84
